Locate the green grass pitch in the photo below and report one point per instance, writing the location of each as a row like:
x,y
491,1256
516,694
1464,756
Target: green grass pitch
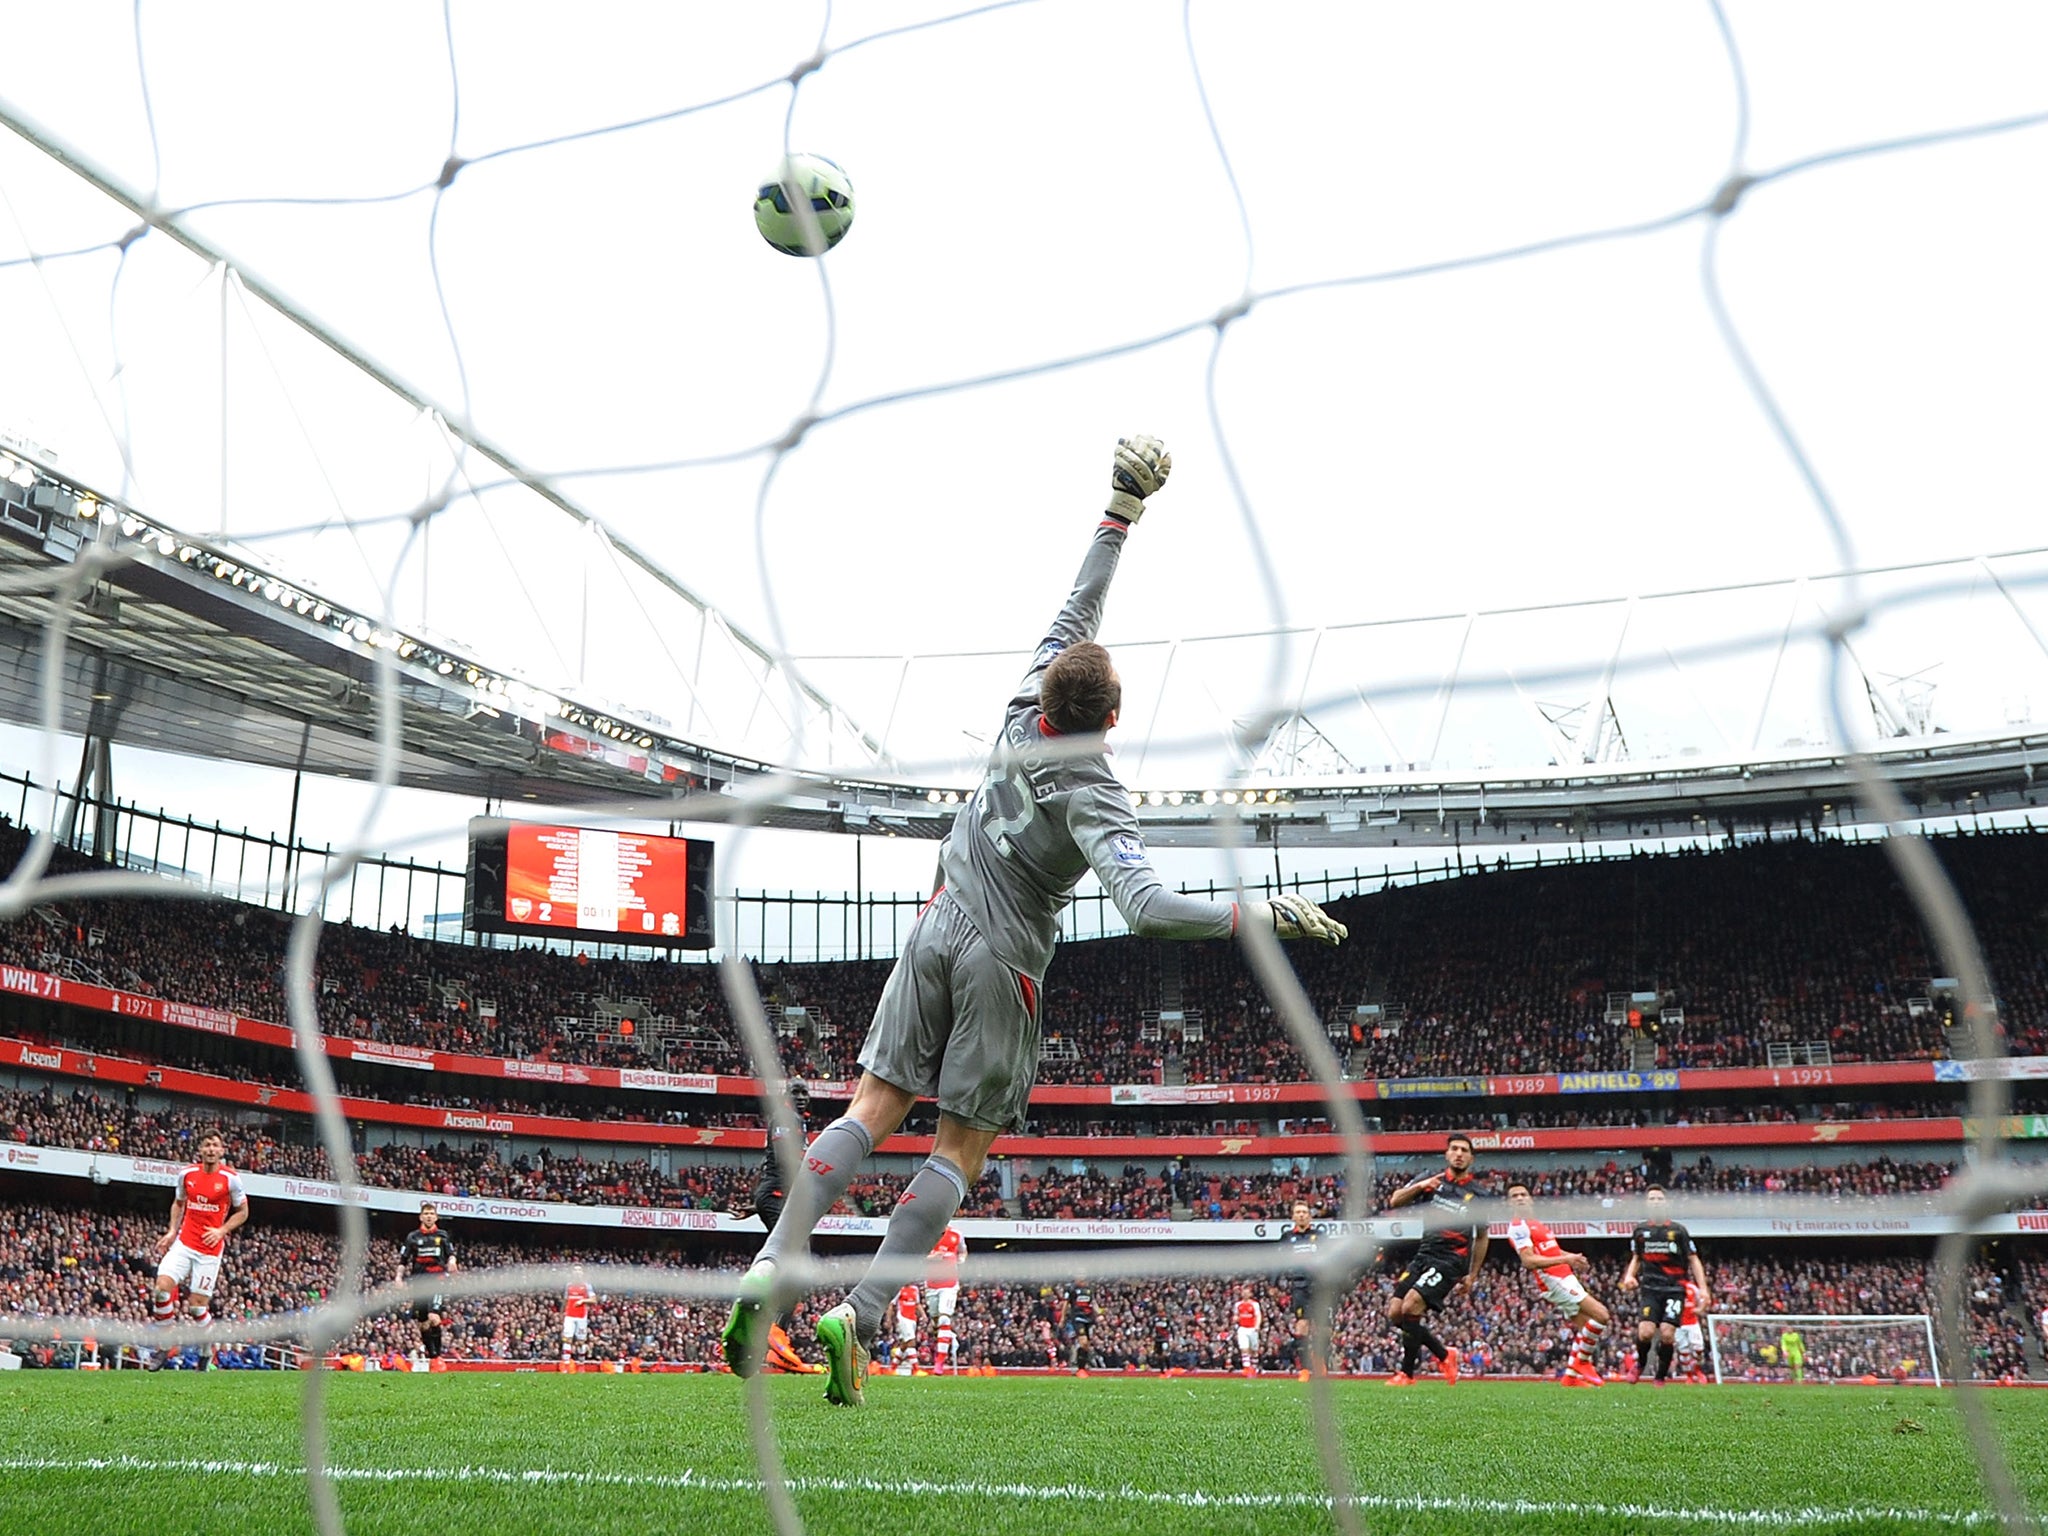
x,y
129,1452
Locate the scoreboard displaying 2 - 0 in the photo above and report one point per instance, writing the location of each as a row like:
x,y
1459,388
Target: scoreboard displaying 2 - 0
x,y
588,883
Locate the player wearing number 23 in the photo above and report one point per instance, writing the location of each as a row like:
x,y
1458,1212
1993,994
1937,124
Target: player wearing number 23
x,y
1453,1251
958,1019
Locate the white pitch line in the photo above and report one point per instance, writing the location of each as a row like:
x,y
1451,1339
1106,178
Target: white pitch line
x,y
1075,1493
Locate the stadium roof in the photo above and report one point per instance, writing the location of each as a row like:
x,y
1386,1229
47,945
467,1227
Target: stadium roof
x,y
1591,411
177,645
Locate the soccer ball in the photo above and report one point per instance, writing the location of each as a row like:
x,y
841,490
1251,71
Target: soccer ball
x,y
778,209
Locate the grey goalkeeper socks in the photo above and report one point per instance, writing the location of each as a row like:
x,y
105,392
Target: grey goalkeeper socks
x,y
915,1227
828,1167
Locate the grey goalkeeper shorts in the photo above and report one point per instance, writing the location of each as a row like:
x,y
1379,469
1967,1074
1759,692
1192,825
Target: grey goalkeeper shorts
x,y
956,1023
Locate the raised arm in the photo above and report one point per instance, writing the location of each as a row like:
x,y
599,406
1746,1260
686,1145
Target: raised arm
x,y
1141,466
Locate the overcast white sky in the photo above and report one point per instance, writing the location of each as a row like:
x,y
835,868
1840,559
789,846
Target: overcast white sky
x,y
1034,183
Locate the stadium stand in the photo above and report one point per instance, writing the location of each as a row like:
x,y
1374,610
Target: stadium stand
x,y
84,1260
1750,950
1508,971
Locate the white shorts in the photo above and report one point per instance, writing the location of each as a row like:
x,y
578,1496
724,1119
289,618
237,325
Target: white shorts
x,y
194,1272
906,1327
575,1328
1247,1341
1690,1340
940,1299
1565,1291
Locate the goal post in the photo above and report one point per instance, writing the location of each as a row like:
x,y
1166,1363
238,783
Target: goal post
x,y
1830,1346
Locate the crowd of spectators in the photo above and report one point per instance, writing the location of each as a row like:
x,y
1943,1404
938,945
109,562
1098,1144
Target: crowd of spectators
x,y
1407,1116
1498,971
69,1262
1051,1189
601,1110
83,1119
1095,1195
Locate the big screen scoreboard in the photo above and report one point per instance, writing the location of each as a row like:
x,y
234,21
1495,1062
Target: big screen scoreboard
x,y
588,883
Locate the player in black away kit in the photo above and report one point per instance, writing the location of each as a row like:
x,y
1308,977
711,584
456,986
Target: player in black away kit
x,y
1661,1257
769,1191
428,1250
1162,1342
1300,1242
1449,1258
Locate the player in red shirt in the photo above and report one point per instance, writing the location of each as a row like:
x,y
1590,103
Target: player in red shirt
x,y
1690,1338
208,1203
942,1292
1251,1318
905,1354
1557,1268
576,1302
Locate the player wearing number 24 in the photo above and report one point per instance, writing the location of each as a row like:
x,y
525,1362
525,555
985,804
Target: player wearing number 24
x,y
959,1017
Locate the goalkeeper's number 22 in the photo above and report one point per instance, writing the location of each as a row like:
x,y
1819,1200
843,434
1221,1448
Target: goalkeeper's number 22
x,y
1004,804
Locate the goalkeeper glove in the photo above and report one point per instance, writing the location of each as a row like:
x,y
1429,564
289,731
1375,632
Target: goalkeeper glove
x,y
1141,467
1296,917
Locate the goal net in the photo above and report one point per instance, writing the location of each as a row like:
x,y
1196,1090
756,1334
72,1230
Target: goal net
x,y
1747,1346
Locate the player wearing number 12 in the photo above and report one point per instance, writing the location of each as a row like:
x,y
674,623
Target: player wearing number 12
x,y
959,1016
209,1204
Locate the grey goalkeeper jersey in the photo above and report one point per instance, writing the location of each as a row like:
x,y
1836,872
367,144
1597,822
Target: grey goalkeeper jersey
x,y
1040,822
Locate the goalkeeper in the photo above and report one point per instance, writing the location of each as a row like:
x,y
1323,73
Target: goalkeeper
x,y
1793,1348
959,1017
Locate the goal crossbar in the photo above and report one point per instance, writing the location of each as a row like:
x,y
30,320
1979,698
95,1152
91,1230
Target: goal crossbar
x,y
1823,1321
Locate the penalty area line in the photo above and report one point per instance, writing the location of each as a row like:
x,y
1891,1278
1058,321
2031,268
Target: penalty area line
x,y
1058,1493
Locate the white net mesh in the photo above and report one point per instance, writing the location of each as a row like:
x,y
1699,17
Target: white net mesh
x,y
111,221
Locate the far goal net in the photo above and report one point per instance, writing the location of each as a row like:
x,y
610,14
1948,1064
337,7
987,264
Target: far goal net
x,y
1822,1347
